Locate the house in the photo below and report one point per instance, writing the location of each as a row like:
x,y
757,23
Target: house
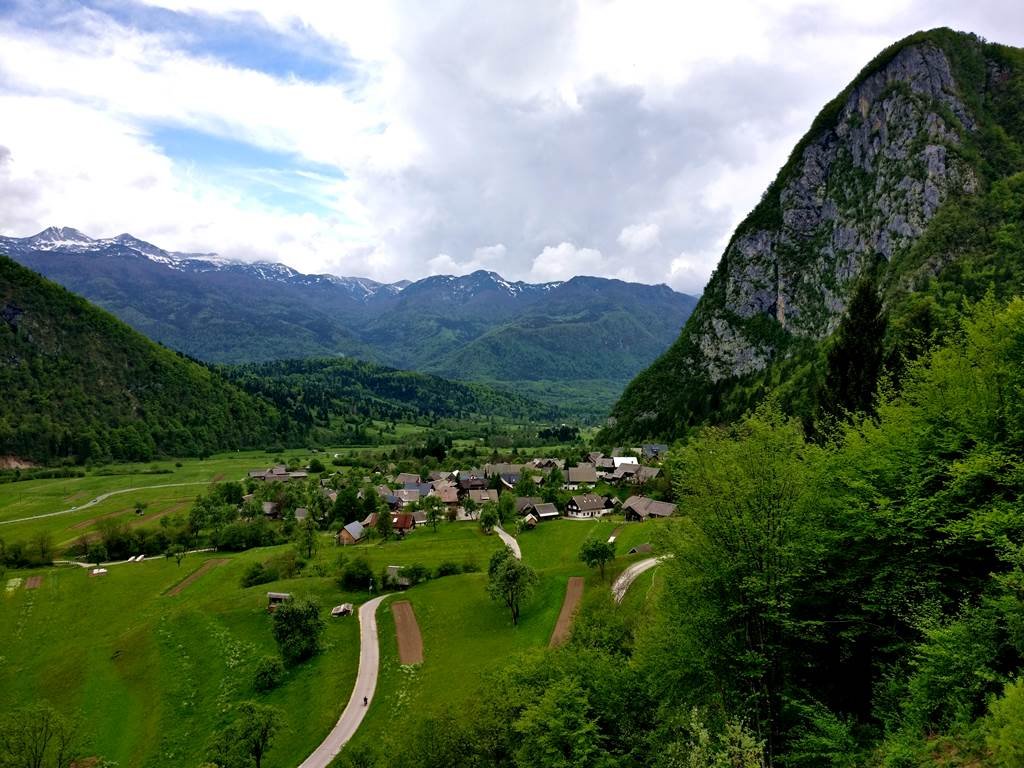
x,y
440,475
483,497
531,520
523,502
509,480
542,511
641,549
275,599
407,477
587,505
448,494
301,513
653,450
620,460
472,480
352,533
594,456
646,473
582,474
419,517
370,521
402,523
605,464
624,472
548,464
407,497
423,488
640,508
271,509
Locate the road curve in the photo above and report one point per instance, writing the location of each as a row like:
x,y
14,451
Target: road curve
x,y
621,585
98,499
366,683
510,541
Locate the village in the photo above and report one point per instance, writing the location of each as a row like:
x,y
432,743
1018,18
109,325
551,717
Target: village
x,y
387,504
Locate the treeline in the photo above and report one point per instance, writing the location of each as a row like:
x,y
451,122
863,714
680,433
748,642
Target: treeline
x,y
313,391
79,385
855,599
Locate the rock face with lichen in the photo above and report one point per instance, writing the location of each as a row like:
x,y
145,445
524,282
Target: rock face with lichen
x,y
883,158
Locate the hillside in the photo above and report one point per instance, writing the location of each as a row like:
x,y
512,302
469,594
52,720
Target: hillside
x,y
592,332
78,383
903,188
311,391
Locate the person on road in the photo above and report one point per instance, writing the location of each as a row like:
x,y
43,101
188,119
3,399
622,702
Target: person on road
x,y
365,701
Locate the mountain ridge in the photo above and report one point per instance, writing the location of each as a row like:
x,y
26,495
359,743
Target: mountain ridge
x,y
930,122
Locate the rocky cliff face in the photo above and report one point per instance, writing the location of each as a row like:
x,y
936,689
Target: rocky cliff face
x,y
932,122
864,188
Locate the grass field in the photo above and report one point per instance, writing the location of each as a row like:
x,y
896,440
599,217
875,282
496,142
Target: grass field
x,y
155,675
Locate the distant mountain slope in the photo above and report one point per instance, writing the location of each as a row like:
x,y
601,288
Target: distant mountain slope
x,y
77,382
896,188
474,327
313,390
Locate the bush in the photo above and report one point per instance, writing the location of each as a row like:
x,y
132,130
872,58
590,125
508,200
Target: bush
x,y
297,629
448,568
356,576
257,573
416,573
316,466
268,674
470,566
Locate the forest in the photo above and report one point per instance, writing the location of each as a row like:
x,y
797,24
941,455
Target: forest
x,y
851,598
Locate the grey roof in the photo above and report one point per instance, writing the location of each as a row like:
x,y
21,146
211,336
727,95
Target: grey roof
x,y
589,502
645,507
355,530
582,473
546,510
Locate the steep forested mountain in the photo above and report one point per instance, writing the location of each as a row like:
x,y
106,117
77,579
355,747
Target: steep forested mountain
x,y
78,383
906,188
475,327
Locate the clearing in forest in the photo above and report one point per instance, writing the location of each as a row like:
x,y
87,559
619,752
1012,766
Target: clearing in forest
x,y
573,595
410,641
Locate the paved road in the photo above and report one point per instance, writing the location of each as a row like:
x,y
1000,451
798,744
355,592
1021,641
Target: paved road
x,y
627,577
366,683
98,499
510,541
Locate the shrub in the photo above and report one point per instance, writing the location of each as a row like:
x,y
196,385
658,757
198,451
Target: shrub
x,y
356,575
470,566
416,573
257,573
448,568
316,466
268,674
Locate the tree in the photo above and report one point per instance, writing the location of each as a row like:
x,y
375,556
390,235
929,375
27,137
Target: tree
x,y
469,506
384,527
178,553
307,539
510,581
855,358
489,517
596,553
97,552
317,466
247,738
37,736
434,508
297,629
506,507
356,575
140,507
558,730
268,674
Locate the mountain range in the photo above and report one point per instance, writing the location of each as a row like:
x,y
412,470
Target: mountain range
x,y
593,333
907,191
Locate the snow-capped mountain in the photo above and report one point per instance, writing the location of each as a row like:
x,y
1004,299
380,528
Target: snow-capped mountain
x,y
478,325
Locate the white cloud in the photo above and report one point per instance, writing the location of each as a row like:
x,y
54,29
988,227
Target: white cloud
x,y
644,130
638,238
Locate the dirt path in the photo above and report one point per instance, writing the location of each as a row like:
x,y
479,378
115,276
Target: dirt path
x,y
628,576
615,535
573,595
366,684
101,498
510,541
195,575
33,582
410,641
93,520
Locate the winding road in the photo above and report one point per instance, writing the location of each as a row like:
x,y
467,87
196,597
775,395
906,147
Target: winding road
x,y
510,541
366,683
621,585
102,497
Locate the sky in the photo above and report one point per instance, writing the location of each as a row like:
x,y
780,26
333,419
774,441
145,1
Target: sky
x,y
392,140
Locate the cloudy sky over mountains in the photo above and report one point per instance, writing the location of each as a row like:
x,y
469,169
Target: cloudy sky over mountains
x,y
396,140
